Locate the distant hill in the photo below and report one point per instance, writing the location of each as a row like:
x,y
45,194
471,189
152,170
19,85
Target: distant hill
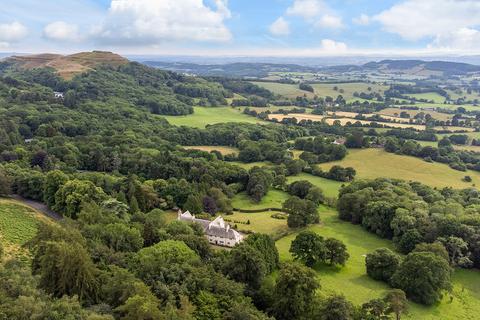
x,y
234,70
418,67
70,65
261,70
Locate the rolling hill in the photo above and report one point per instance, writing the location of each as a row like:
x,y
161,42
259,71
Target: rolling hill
x,y
69,65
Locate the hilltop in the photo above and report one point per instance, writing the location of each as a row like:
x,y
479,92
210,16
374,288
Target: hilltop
x,y
67,66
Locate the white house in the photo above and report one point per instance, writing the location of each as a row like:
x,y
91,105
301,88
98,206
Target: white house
x,y
217,231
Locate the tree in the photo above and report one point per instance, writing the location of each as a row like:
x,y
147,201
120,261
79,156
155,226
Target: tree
x,y
337,307
457,250
246,265
66,269
308,247
194,204
53,181
301,212
5,184
336,252
294,292
265,245
397,302
375,309
437,248
153,261
140,308
423,276
209,205
381,264
71,195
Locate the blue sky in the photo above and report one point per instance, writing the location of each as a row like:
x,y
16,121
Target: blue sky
x,y
242,27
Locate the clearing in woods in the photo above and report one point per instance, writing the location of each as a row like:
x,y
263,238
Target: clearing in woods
x,y
203,116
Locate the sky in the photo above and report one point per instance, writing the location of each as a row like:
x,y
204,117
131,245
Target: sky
x,y
242,27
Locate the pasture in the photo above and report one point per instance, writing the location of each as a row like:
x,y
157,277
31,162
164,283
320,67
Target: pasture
x,y
285,89
204,116
376,163
395,112
345,121
347,89
353,282
430,96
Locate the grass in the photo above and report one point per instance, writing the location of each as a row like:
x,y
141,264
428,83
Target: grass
x,y
204,116
330,187
326,89
430,96
376,163
273,199
353,282
18,224
456,147
395,112
285,89
260,222
222,149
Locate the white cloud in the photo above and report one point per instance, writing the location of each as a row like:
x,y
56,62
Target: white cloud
x,y
463,39
61,31
12,32
332,46
362,20
152,22
280,27
329,21
307,9
415,20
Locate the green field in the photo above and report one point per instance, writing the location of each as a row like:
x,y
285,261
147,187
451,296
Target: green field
x,y
203,116
326,89
330,187
376,163
456,147
285,89
248,166
323,89
273,199
435,97
353,282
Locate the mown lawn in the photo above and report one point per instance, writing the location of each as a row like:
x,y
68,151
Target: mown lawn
x,y
261,222
203,116
353,282
376,163
273,199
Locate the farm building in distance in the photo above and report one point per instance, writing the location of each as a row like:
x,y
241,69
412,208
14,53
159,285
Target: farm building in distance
x,y
217,231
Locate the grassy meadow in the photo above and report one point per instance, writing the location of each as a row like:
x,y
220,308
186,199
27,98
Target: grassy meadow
x,y
376,163
203,116
285,89
430,96
353,282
